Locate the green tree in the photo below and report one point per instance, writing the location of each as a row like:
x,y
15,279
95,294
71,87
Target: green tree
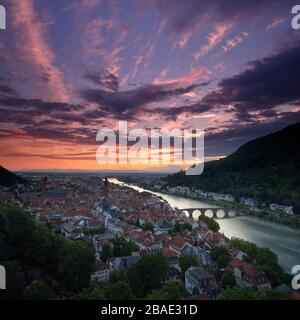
x,y
228,279
170,291
77,260
275,295
122,247
148,226
151,270
186,261
238,293
187,226
14,281
222,261
211,223
267,257
92,292
118,291
177,227
38,290
106,253
29,247
135,282
217,252
118,275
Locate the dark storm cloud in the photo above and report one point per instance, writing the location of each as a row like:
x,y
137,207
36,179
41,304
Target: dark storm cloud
x,y
16,109
37,104
80,135
104,78
123,104
172,113
181,15
266,84
7,90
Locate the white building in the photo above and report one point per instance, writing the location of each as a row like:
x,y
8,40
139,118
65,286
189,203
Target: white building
x,y
102,272
284,209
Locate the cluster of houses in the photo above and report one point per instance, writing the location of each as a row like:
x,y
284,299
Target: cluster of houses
x,y
192,193
280,208
251,203
97,211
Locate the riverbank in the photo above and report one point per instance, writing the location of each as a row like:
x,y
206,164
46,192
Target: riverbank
x,y
292,221
283,240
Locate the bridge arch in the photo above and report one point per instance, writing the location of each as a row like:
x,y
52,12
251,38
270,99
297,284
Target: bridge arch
x,y
186,213
196,214
209,213
220,214
231,213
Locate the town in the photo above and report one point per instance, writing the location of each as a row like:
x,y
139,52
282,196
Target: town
x,y
124,225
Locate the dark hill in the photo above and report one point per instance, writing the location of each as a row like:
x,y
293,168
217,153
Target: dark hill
x,y
8,178
267,168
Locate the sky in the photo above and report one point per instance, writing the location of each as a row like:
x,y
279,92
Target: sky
x,y
71,67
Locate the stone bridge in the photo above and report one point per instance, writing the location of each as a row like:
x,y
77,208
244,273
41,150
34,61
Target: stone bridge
x,y
216,213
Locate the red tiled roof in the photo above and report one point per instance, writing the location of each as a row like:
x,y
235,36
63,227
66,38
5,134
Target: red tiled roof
x,y
178,241
252,273
169,253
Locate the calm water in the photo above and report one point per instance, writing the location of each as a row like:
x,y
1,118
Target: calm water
x,y
281,239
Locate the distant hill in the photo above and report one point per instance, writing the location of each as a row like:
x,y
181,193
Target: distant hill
x,y
267,168
8,178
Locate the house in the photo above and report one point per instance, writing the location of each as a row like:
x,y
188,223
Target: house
x,y
165,226
199,281
202,255
216,239
103,215
145,240
248,275
102,272
94,223
284,209
125,262
177,243
171,256
174,270
69,230
105,236
249,202
237,254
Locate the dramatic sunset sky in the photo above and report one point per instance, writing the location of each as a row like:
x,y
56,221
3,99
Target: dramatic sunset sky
x,y
69,67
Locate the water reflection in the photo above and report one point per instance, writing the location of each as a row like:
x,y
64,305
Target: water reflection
x,y
281,239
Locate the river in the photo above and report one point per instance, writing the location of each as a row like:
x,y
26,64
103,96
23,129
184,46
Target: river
x,y
283,240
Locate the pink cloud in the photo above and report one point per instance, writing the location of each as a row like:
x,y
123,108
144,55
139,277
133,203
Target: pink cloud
x,y
213,39
232,43
187,79
274,23
33,47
